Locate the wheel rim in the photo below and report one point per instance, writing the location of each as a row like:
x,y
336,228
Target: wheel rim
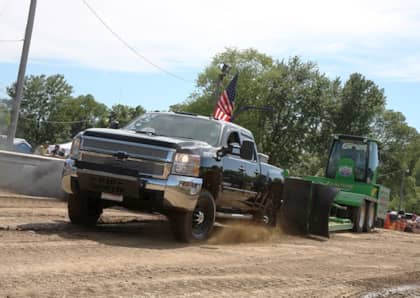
x,y
362,216
201,218
198,217
266,219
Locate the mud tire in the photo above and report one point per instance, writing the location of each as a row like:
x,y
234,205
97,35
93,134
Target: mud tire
x,y
270,212
195,226
359,218
370,217
84,208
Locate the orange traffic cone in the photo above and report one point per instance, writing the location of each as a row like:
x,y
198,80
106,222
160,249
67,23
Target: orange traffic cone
x,y
387,224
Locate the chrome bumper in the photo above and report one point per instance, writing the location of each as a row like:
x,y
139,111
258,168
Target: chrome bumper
x,y
179,192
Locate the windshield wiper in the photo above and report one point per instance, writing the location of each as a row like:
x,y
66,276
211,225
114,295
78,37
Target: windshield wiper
x,y
147,130
151,133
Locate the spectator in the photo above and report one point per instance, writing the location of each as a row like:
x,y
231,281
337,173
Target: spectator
x,y
55,151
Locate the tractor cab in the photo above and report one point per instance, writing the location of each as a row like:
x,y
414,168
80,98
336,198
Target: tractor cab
x,y
353,159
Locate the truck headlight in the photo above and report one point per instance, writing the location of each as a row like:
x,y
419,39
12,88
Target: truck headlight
x,y
75,147
186,164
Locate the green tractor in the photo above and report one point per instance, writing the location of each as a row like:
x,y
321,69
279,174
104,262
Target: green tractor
x,y
347,198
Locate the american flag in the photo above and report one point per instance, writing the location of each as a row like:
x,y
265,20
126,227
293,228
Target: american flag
x,y
224,106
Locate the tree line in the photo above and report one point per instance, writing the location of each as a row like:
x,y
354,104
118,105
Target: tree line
x,y
49,112
305,109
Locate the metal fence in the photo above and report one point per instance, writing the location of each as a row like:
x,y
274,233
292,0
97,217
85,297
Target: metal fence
x,y
31,174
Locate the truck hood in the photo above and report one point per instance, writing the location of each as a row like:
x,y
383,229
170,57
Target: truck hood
x,y
163,141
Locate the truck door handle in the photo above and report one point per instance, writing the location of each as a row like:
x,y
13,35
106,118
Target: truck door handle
x,y
241,169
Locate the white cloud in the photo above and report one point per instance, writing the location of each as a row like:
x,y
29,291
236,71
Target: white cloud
x,y
187,33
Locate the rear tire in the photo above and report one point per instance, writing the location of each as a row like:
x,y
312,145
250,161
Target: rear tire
x,y
359,216
197,225
84,208
370,217
271,211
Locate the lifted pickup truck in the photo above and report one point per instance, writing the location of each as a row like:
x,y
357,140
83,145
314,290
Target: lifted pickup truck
x,y
193,169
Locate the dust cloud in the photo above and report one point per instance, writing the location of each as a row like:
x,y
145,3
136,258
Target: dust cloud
x,y
234,232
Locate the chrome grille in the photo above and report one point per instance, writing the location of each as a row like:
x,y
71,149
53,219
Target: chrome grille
x,y
134,150
143,167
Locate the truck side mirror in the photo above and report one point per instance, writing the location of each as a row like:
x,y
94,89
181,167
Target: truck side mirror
x,y
220,153
263,157
232,148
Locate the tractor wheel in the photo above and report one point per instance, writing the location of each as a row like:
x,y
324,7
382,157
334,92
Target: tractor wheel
x,y
84,208
359,216
370,217
197,225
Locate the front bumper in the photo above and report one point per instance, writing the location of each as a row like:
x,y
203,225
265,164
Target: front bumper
x,y
179,192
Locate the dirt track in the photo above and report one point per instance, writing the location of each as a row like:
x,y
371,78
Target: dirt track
x,y
128,255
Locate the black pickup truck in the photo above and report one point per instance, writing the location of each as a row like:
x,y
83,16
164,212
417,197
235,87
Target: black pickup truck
x,y
193,169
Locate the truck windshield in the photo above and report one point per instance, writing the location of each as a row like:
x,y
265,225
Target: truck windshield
x,y
177,126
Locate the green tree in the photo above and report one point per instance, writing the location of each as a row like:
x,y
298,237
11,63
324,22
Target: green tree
x,y
41,99
4,117
124,114
361,100
301,98
49,112
80,113
400,152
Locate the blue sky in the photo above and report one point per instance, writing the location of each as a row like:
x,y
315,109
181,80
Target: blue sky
x,y
379,39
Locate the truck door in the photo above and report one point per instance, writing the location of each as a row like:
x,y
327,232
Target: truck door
x,y
251,166
232,164
240,171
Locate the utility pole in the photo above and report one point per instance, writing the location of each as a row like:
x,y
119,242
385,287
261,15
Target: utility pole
x,y
21,75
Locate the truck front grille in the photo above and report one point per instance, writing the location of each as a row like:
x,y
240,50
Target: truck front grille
x,y
136,150
138,159
130,166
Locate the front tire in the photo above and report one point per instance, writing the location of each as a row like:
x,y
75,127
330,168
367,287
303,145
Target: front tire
x,y
370,217
84,208
197,225
359,216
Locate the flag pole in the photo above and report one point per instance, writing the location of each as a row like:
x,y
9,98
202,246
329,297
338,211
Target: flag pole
x,y
223,72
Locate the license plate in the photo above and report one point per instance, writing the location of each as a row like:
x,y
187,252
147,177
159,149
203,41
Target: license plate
x,y
107,184
111,197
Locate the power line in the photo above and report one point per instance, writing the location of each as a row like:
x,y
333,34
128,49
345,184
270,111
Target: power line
x,y
126,44
55,122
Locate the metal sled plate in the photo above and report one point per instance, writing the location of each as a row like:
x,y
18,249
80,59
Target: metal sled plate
x,y
306,207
